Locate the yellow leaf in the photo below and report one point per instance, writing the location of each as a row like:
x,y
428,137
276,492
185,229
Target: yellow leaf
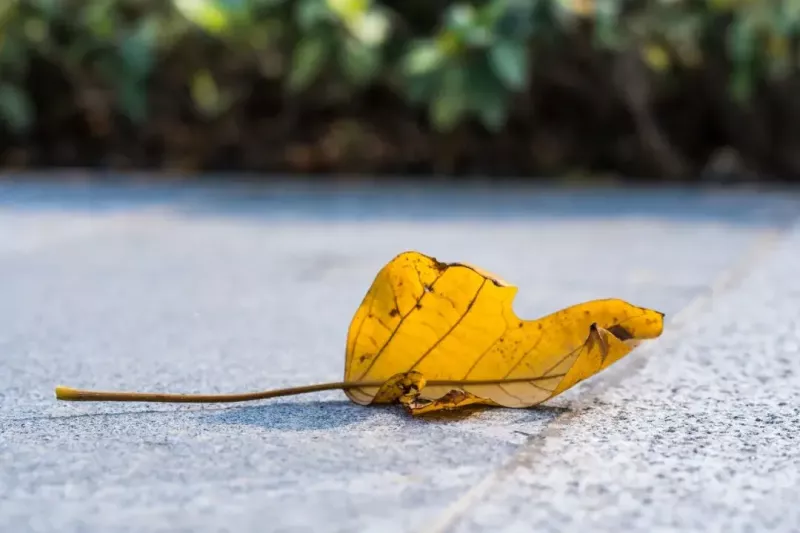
x,y
454,324
434,336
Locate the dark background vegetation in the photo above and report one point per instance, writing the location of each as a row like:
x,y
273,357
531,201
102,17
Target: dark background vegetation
x,y
667,89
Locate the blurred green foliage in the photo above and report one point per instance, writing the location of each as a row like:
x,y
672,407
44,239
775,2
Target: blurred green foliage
x,y
456,60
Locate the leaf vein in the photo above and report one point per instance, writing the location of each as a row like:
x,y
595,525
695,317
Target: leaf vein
x,y
486,351
352,347
525,355
454,326
399,325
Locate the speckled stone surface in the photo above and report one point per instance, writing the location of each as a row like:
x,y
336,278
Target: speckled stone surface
x,y
233,288
704,437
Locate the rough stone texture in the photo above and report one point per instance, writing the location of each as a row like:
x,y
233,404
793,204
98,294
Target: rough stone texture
x,y
221,289
705,437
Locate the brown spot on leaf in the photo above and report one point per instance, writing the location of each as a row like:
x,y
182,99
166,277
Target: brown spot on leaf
x,y
596,339
438,265
620,333
394,312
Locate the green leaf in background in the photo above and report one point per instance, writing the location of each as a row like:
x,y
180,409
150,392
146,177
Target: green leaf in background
x,y
14,55
36,30
310,13
132,98
722,5
509,60
787,18
349,10
465,25
451,101
682,38
742,43
493,12
512,19
308,58
98,18
129,76
205,93
493,111
371,28
741,85
607,30
207,14
8,10
418,89
16,109
137,49
460,17
360,62
48,8
487,96
423,56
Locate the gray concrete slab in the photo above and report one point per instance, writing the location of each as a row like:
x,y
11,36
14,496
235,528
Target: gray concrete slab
x,y
220,289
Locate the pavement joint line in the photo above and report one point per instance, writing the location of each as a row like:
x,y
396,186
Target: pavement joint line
x,y
728,279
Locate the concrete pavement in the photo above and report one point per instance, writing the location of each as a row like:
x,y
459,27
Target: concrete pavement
x,y
210,288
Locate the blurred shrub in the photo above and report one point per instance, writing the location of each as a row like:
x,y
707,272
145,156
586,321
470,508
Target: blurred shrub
x,y
658,87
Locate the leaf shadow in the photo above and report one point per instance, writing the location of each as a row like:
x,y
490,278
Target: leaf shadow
x,y
324,415
303,416
536,413
456,415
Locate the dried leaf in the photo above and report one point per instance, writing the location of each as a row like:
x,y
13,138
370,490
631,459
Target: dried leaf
x,y
434,336
400,388
454,399
454,324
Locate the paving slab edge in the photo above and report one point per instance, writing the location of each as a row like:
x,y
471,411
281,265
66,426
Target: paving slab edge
x,y
764,245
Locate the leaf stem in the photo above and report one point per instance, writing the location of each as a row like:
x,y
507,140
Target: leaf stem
x,y
70,394
78,395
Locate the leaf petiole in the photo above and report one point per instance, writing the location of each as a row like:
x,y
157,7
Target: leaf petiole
x,y
79,395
